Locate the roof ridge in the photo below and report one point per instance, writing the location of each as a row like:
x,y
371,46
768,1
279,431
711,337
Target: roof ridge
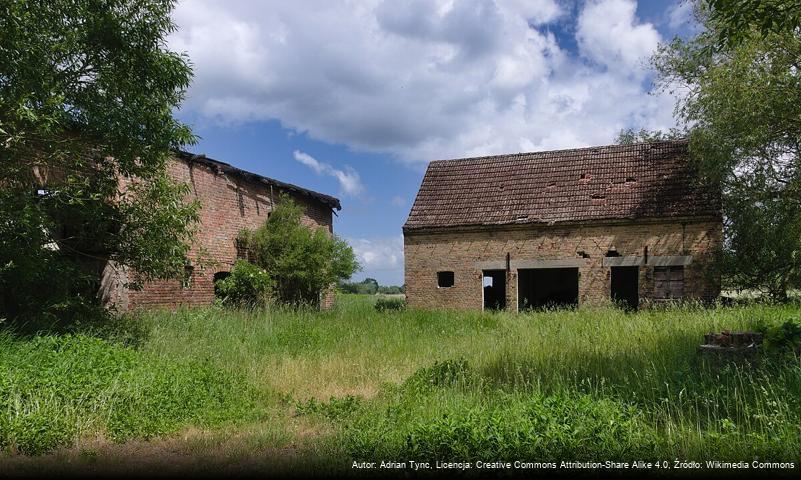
x,y
620,146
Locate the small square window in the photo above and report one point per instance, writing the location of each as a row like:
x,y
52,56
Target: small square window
x,y
444,279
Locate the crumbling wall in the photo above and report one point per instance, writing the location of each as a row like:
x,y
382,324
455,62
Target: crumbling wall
x,y
228,205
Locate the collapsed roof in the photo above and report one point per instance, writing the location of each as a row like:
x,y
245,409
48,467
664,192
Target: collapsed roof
x,y
222,167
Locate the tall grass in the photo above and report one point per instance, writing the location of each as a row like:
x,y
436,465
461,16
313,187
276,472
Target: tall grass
x,y
585,383
56,389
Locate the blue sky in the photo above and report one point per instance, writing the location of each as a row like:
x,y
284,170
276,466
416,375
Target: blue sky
x,y
354,98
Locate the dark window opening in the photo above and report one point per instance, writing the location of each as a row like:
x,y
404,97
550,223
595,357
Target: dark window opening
x,y
668,282
445,279
540,288
625,287
219,276
186,280
612,253
494,283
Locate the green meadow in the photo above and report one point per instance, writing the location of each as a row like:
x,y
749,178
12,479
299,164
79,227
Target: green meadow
x,y
304,390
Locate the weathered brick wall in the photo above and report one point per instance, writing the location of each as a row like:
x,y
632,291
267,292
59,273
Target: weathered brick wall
x,y
460,251
228,204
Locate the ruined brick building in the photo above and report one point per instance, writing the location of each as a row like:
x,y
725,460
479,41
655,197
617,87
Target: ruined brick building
x,y
629,223
231,200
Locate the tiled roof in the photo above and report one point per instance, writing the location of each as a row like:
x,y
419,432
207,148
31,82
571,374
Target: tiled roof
x,y
226,168
646,180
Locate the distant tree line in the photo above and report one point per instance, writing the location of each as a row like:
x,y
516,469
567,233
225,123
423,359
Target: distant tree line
x,y
370,286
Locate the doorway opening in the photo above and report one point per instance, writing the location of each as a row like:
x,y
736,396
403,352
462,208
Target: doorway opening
x,y
494,283
625,287
540,288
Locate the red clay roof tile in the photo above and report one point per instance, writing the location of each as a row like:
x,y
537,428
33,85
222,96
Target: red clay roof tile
x,y
588,184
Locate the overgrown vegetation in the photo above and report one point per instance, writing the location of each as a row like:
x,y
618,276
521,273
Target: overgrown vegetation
x,y
584,384
248,286
55,389
301,262
87,91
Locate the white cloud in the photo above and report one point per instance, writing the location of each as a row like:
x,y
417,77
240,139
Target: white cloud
x,y
397,201
609,34
680,15
348,179
380,258
422,79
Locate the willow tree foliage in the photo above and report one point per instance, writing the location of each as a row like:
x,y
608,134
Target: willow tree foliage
x,y
87,91
740,94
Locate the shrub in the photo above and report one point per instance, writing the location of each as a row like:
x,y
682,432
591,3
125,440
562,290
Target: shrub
x,y
247,286
301,261
390,304
782,338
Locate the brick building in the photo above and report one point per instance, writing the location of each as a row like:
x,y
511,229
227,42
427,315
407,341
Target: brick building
x,y
231,200
630,223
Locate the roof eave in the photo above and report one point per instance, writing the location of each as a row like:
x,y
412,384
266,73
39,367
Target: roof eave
x,y
563,223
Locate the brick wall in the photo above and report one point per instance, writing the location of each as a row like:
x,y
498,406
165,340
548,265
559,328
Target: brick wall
x,y
464,252
228,204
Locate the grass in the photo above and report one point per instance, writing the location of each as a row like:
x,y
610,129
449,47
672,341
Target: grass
x,y
356,383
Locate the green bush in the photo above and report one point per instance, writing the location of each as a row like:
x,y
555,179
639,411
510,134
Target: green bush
x,y
784,338
390,304
302,262
247,286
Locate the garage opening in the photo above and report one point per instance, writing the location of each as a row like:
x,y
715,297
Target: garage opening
x,y
625,290
494,282
540,288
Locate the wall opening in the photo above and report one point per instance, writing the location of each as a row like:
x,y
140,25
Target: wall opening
x,y
539,288
186,279
445,279
494,283
625,287
219,276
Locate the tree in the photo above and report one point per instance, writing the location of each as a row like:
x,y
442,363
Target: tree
x,y
87,91
302,262
737,20
743,103
630,136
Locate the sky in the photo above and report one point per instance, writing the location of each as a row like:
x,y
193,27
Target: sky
x,y
354,98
